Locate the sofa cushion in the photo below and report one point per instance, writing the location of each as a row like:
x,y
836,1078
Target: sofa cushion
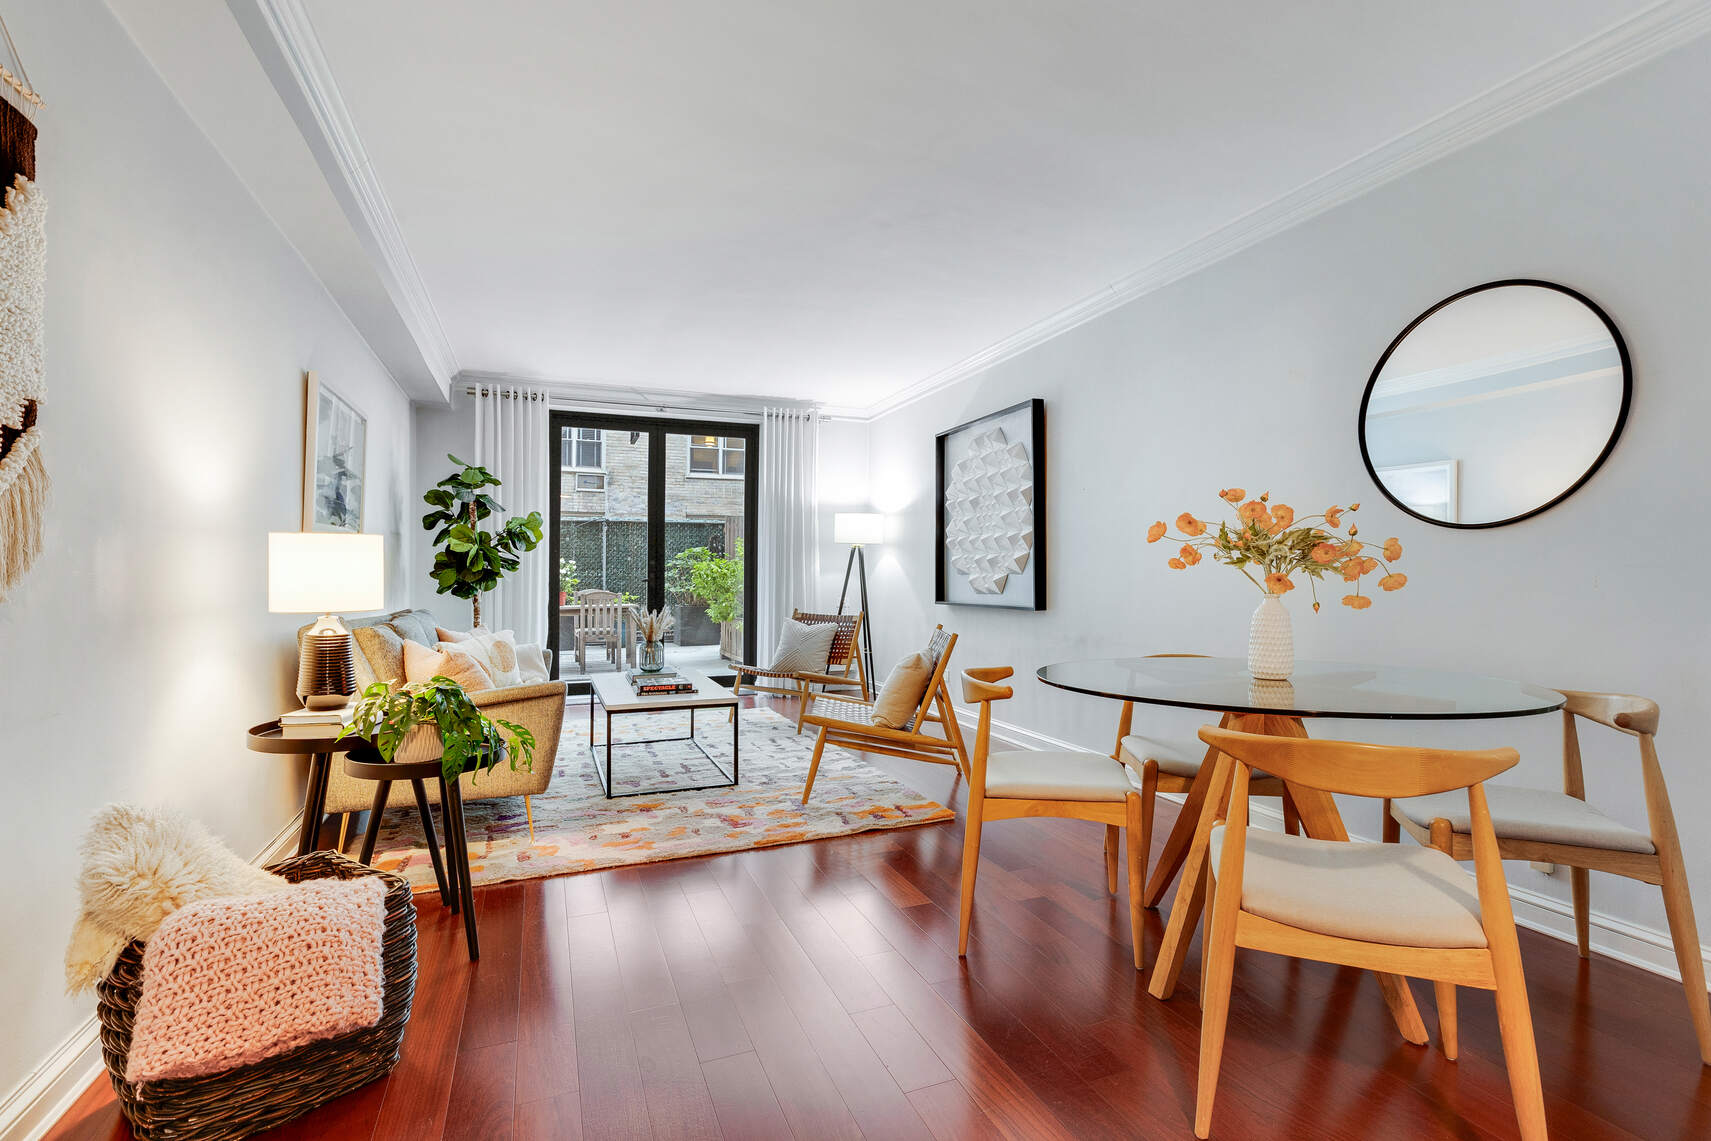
x,y
532,663
496,651
383,650
415,626
446,660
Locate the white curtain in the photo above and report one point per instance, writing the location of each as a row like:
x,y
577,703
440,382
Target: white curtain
x,y
788,569
512,424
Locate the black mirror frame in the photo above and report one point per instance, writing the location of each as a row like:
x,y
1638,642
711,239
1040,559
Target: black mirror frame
x,y
1604,454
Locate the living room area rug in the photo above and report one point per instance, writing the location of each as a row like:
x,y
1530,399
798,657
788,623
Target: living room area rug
x,y
577,829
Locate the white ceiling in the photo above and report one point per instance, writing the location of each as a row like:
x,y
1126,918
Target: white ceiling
x,y
832,201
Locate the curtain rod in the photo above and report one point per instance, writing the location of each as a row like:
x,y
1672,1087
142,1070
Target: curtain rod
x,y
573,402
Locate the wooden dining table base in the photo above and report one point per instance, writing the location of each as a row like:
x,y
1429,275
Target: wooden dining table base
x,y
1191,836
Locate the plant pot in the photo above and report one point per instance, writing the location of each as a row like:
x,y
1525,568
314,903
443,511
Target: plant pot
x,y
1271,641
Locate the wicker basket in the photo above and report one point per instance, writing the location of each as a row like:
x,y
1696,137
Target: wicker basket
x,y
251,1098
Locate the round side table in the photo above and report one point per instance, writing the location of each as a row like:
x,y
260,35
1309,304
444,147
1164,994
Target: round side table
x,y
267,738
364,763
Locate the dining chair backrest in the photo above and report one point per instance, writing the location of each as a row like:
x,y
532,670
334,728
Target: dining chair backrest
x,y
1357,769
600,610
1623,712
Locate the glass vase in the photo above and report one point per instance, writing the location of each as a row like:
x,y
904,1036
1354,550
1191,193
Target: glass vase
x,y
653,656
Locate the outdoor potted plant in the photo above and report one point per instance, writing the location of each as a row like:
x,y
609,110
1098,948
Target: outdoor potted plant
x,y
413,722
699,575
1278,547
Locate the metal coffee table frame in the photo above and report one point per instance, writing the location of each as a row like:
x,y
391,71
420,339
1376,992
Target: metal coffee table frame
x,y
605,778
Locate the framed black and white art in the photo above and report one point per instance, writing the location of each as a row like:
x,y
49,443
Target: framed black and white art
x,y
335,444
991,490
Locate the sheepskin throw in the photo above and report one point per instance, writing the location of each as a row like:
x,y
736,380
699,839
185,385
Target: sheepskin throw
x,y
228,982
140,866
23,278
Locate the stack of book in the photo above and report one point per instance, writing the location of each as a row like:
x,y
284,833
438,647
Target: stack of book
x,y
315,722
655,684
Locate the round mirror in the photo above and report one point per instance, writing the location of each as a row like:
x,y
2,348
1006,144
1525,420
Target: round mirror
x,y
1495,404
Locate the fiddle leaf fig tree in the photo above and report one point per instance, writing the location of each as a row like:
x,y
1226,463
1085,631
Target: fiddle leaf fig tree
x,y
469,561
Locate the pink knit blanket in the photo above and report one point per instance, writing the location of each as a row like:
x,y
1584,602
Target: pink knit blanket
x,y
228,982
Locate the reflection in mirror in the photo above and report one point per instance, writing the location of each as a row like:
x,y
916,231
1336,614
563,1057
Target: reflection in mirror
x,y
1495,404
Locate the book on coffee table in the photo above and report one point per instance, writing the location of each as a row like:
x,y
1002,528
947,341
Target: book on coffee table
x,y
666,681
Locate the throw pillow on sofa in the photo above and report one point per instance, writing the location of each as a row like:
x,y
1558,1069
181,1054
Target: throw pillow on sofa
x,y
448,661
901,695
804,647
414,626
383,648
497,652
532,663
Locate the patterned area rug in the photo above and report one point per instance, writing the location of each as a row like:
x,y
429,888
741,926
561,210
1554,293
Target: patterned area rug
x,y
578,830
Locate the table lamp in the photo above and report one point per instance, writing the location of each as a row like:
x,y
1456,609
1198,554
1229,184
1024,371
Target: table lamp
x,y
321,573
858,529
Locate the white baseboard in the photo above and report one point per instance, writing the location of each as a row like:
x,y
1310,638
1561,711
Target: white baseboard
x,y
50,1090
1635,944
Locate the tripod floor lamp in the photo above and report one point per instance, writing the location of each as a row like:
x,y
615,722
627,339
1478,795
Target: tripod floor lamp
x,y
859,529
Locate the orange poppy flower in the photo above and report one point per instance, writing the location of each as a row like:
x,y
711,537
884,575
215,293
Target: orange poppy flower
x,y
1323,553
1351,570
1368,565
1393,549
1393,581
1190,526
1333,516
1356,601
1156,532
1189,555
1177,564
1233,494
1353,548
1278,583
1254,511
1281,517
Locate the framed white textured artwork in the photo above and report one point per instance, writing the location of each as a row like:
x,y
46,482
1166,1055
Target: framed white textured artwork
x,y
335,445
991,488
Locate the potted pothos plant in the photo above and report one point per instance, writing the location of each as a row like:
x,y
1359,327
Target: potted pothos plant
x,y
470,740
470,561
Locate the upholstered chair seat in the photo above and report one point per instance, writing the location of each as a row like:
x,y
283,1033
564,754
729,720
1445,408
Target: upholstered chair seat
x,y
1377,893
1539,814
1173,758
1029,775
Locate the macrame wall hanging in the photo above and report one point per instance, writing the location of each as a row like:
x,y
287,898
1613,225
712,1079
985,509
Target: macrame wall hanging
x,y
23,274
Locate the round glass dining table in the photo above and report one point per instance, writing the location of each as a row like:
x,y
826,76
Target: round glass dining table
x,y
1315,689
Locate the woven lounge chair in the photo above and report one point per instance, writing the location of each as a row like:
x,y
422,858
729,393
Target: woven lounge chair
x,y
843,665
848,722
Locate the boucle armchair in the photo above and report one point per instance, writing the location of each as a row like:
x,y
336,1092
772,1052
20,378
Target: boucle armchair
x,y
538,707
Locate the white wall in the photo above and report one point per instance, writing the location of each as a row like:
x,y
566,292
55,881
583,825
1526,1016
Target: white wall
x,y
179,323
1250,373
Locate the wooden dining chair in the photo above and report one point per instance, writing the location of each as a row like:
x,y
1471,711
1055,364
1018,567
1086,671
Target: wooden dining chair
x,y
844,667
601,620
1380,907
1033,782
1552,827
848,721
1157,765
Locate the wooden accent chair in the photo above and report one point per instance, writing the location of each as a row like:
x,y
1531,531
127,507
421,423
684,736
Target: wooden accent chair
x,y
1028,782
1561,828
1156,765
848,722
843,658
600,620
1379,907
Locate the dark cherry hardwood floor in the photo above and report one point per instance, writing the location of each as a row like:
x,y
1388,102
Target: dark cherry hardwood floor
x,y
814,991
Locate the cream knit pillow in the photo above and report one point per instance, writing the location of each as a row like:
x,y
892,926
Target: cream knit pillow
x,y
901,695
803,646
497,653
448,661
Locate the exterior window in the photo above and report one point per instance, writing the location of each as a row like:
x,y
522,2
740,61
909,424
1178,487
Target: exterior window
x,y
584,449
716,455
590,481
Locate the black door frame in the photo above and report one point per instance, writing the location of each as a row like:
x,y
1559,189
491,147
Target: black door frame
x,y
656,428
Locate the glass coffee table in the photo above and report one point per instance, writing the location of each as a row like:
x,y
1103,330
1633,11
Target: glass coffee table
x,y
613,693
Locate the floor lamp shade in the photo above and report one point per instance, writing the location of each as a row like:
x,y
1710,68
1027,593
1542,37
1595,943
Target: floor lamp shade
x,y
323,573
858,528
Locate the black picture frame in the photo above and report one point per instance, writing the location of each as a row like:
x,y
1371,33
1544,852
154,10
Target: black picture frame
x,y
1591,470
1036,409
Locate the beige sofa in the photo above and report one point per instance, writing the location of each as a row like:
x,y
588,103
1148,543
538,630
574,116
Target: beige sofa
x,y
538,707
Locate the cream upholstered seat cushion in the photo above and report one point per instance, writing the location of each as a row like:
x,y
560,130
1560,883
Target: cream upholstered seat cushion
x,y
1397,894
1029,774
1176,758
1538,814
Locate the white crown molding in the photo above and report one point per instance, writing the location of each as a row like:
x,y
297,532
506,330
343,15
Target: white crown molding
x,y
1618,48
597,396
284,40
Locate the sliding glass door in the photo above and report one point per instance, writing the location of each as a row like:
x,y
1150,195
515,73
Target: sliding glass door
x,y
651,513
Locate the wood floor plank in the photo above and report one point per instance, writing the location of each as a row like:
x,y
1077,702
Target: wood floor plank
x,y
483,1095
799,1080
609,1076
495,979
743,1099
417,1093
951,1114
714,1024
546,1024
905,1053
549,1119
679,1105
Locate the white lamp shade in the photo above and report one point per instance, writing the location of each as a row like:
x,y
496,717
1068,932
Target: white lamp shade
x,y
858,527
325,573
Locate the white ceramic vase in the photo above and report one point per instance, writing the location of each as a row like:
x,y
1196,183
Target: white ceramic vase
x,y
1271,641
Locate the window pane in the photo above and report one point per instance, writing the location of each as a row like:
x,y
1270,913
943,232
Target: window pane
x,y
703,459
589,434
734,462
587,454
566,452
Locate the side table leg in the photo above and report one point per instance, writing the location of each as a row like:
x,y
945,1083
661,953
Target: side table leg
x,y
426,813
314,803
458,852
370,834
